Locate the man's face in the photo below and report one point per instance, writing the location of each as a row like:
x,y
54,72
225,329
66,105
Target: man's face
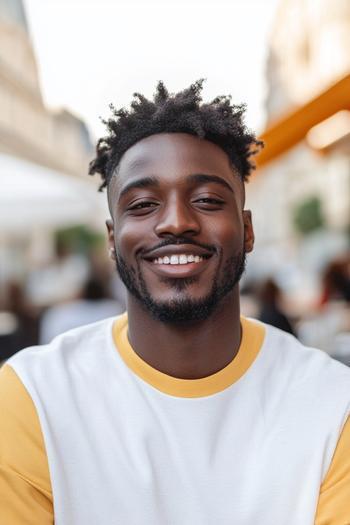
x,y
179,230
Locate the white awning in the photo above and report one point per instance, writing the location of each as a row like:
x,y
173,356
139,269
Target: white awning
x,y
33,196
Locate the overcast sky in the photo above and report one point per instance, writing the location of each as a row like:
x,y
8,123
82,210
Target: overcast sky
x,y
93,52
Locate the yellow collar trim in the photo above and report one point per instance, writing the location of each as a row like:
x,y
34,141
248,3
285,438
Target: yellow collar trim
x,y
253,335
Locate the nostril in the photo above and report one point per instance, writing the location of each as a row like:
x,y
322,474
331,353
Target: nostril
x,y
177,222
175,231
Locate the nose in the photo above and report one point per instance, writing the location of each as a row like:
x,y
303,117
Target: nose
x,y
177,219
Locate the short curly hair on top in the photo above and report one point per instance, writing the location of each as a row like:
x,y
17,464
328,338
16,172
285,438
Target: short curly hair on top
x,y
218,121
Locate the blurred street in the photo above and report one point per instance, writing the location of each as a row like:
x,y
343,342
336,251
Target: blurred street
x,y
55,272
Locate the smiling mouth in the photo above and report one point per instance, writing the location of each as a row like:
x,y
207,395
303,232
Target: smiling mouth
x,y
180,259
179,266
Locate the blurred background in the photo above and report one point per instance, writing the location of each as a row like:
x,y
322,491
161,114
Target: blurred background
x,y
61,64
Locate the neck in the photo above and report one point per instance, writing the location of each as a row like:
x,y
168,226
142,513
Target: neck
x,y
187,351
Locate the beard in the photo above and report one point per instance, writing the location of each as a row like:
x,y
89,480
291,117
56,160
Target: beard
x,y
183,310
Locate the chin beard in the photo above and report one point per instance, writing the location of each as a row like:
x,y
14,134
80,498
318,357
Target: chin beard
x,y
183,310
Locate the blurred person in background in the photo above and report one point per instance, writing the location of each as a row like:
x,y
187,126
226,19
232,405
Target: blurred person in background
x,y
269,296
93,304
336,281
328,326
61,279
19,321
180,411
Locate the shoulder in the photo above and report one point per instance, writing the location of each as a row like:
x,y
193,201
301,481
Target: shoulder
x,y
65,350
302,365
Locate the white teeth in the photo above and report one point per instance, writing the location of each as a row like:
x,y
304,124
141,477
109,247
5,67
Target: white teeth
x,y
178,259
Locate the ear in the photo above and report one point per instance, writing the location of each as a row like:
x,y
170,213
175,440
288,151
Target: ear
x,y
248,231
110,234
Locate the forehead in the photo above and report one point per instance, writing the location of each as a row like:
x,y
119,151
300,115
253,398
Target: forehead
x,y
171,158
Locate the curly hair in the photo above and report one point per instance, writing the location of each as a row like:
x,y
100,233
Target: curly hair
x,y
219,122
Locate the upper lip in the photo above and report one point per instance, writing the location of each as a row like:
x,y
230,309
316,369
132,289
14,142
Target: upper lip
x,y
185,249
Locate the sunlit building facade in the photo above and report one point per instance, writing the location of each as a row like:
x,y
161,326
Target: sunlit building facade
x,y
309,52
28,129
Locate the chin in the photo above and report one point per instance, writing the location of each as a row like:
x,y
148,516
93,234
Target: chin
x,y
179,312
182,308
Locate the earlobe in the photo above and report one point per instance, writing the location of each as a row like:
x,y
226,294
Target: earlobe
x,y
248,231
111,252
111,243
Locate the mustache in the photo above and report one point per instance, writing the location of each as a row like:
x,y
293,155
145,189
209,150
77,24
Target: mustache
x,y
179,240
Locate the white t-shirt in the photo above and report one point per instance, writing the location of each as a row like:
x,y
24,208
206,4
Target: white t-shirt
x,y
127,444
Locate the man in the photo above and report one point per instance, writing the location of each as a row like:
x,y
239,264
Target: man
x,y
180,412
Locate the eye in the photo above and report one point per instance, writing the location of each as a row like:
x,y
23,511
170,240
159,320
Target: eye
x,y
209,202
209,199
142,206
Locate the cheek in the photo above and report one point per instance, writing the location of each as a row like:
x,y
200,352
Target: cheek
x,y
227,228
233,240
130,237
125,239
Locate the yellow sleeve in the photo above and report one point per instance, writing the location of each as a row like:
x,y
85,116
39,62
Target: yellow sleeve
x,y
334,501
25,489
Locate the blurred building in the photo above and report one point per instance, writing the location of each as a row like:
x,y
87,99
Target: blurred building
x,y
44,157
28,129
309,51
305,166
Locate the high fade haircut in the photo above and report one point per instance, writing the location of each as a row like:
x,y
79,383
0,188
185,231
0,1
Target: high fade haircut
x,y
218,121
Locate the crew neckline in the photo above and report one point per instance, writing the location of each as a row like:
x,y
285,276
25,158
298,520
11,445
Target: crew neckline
x,y
253,334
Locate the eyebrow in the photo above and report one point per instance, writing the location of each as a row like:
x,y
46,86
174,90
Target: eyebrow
x,y
202,178
145,182
198,178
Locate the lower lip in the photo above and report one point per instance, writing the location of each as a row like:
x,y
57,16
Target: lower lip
x,y
179,270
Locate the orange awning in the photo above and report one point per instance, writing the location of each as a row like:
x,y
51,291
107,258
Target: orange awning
x,y
285,133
